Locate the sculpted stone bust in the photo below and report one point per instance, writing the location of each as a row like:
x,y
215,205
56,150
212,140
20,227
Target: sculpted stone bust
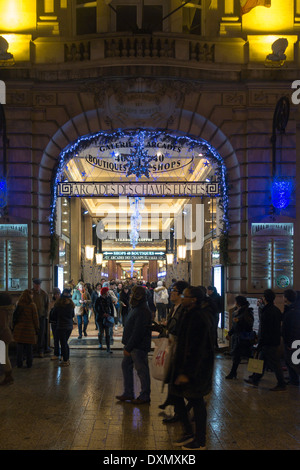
x,y
4,55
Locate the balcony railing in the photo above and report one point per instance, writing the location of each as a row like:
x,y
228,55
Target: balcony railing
x,y
157,48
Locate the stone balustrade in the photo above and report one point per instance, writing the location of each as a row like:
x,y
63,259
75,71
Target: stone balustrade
x,y
159,48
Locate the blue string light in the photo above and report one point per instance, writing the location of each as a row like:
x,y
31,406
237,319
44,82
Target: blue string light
x,y
282,189
139,161
3,192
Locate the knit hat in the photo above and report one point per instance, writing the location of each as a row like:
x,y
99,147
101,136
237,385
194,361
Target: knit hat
x,y
104,290
159,283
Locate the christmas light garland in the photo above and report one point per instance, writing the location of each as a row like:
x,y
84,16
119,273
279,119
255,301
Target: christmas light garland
x,y
139,161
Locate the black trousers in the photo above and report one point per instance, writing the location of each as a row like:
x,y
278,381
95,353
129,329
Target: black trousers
x,y
200,416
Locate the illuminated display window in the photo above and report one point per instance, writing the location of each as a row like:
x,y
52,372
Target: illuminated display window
x,y
13,257
272,256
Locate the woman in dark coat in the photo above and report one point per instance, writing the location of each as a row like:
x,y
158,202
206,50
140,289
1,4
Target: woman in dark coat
x,y
193,367
241,332
124,303
63,313
26,327
104,317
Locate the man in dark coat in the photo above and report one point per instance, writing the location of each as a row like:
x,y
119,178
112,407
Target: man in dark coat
x,y
269,341
193,367
137,344
217,304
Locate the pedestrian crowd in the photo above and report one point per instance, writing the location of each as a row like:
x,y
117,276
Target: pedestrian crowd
x,y
187,315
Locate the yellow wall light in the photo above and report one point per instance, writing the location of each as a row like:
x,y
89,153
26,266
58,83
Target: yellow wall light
x,y
261,45
19,46
17,15
89,252
276,19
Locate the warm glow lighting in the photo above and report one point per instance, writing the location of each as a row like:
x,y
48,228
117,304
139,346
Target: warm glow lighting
x,y
99,258
261,45
170,258
181,251
17,15
89,252
18,45
277,19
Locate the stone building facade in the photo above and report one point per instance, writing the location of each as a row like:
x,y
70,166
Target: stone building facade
x,y
225,85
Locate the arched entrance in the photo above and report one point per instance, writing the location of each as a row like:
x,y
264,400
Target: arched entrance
x,y
149,193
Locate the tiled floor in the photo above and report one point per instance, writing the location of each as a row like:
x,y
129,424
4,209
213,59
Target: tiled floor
x,y
74,408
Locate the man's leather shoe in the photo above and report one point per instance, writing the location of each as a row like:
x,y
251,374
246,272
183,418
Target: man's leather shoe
x,y
124,398
139,401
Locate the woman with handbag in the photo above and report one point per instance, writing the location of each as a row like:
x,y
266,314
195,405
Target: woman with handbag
x,y
242,333
82,300
104,317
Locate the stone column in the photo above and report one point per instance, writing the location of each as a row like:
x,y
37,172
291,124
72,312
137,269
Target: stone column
x,y
152,273
230,21
75,239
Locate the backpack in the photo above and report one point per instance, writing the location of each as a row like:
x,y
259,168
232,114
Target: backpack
x,y
164,296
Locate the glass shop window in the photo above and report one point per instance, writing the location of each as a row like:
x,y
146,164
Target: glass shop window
x,y
86,17
272,249
13,257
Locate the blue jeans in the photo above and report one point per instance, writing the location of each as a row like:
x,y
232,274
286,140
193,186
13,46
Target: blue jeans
x,y
63,336
138,359
82,319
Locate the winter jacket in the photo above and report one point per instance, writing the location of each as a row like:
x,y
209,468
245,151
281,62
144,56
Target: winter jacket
x,y
78,295
63,313
27,326
242,321
194,356
270,326
6,312
41,300
160,295
103,306
137,329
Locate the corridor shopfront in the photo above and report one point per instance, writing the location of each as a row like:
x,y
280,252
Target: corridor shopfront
x,y
156,190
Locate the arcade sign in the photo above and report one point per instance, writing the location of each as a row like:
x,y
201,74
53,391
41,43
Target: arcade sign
x,y
133,255
140,189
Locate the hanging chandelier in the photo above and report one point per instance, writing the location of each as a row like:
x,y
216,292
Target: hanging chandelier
x,y
136,205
